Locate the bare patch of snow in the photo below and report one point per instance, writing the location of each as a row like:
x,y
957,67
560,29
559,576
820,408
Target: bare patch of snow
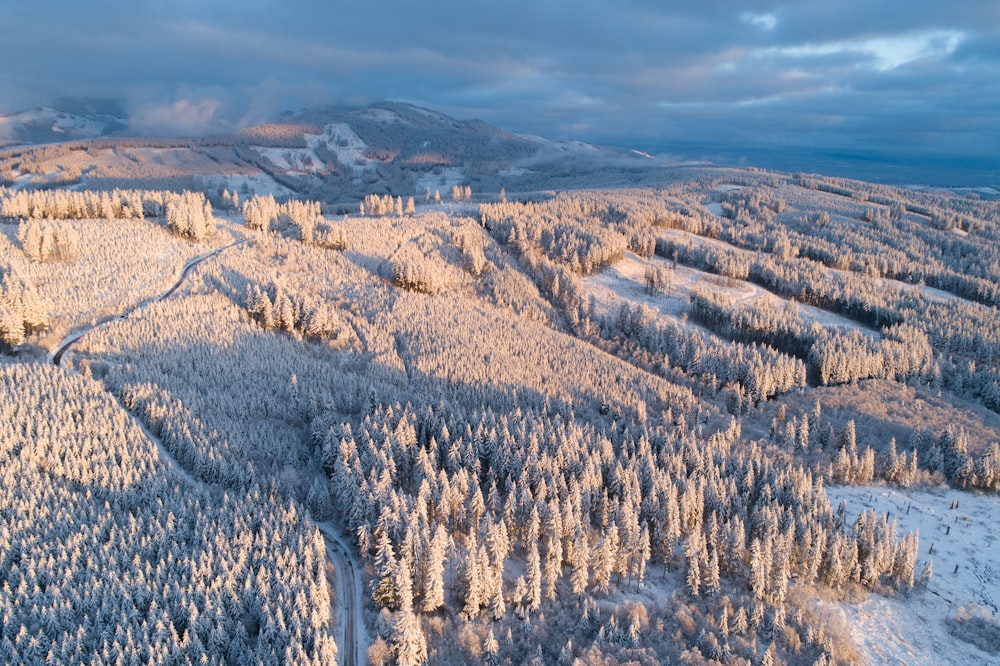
x,y
963,531
625,282
382,115
248,184
442,182
345,144
300,160
938,294
714,209
727,188
827,319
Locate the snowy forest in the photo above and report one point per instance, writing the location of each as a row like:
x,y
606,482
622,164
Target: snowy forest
x,y
593,426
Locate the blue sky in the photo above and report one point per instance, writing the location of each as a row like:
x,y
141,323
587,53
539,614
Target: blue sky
x,y
899,78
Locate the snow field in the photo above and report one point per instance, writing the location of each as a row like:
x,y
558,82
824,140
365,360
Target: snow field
x,y
958,535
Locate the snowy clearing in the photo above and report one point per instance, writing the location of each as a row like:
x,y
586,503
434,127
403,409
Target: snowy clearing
x,y
442,182
962,529
247,185
345,144
295,160
625,281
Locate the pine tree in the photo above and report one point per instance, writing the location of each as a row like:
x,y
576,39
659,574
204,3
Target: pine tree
x,y
759,567
712,581
408,645
434,581
692,554
491,650
534,578
474,587
604,559
385,593
581,562
404,581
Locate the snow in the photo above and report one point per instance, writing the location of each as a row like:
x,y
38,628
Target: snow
x,y
244,184
352,638
714,209
442,182
827,319
727,188
626,281
383,115
350,154
79,127
938,294
300,160
962,529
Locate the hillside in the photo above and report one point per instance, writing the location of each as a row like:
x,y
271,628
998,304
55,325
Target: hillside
x,y
562,424
336,156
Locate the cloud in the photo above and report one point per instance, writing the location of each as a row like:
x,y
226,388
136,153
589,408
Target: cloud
x,y
765,22
182,117
630,72
884,53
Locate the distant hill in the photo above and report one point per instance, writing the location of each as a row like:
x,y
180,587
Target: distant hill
x,y
66,120
336,155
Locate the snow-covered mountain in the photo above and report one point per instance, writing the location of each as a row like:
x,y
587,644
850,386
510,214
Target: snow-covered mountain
x,y
67,120
334,155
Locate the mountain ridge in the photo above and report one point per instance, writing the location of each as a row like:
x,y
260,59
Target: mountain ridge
x,y
334,155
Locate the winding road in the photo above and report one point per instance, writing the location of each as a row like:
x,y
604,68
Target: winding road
x,y
71,339
349,591
350,639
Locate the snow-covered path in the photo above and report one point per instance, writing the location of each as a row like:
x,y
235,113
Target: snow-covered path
x,y
351,637
56,356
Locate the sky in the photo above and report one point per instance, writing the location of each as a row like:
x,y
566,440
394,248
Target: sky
x,y
913,79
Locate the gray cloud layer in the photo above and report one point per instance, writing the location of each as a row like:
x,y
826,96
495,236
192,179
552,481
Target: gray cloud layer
x,y
916,76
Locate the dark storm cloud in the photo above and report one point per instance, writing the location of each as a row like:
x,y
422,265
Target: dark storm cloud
x,y
857,73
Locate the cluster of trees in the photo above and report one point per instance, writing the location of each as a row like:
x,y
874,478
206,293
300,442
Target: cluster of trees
x,y
63,204
385,205
109,556
962,336
584,510
835,356
230,200
956,211
273,308
758,371
263,213
926,458
884,241
189,215
658,279
461,192
119,266
417,272
582,234
22,312
47,242
949,454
